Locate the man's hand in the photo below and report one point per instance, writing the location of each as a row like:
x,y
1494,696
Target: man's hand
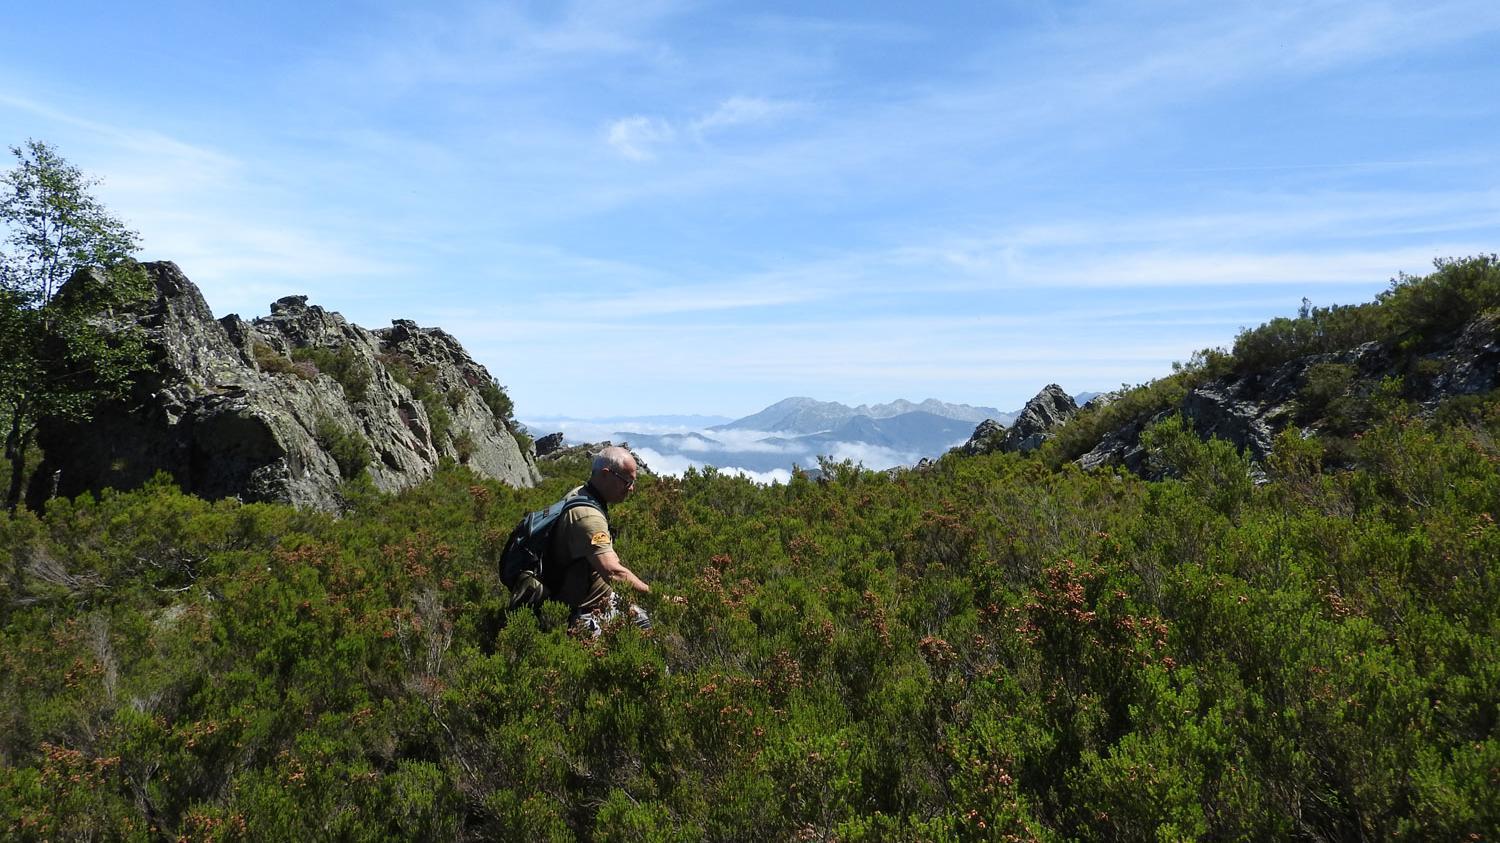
x,y
529,591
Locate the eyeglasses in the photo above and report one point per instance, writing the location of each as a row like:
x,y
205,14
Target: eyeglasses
x,y
629,481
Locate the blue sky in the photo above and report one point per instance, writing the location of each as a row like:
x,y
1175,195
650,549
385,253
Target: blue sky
x,y
719,205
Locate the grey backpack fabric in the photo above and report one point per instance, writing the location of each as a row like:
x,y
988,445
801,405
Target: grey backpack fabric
x,y
525,553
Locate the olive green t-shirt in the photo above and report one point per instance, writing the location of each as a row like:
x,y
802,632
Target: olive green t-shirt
x,y
581,532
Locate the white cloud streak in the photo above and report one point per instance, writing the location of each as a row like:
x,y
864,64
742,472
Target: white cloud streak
x,y
742,111
638,137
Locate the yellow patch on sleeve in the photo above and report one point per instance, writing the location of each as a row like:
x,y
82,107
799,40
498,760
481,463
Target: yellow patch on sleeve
x,y
599,539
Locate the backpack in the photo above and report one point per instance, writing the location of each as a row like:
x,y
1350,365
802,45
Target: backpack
x,y
526,550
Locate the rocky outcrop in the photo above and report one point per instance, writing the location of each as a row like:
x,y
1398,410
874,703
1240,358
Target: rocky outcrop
x,y
1247,411
1250,410
285,407
1051,408
1473,366
1102,399
1032,426
985,439
548,444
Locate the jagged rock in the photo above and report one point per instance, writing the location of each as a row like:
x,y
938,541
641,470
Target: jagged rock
x,y
589,449
1250,410
1119,447
986,438
228,413
1042,414
585,450
548,444
1033,425
1473,366
1247,411
1102,400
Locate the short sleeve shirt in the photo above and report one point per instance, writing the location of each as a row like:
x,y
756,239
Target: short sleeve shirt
x,y
581,533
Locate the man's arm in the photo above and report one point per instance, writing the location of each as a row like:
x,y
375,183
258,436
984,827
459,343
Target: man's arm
x,y
609,566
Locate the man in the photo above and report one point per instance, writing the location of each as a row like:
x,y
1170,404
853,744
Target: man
x,y
583,553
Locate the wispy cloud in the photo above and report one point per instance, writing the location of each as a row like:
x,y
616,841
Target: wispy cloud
x,y
478,45
184,158
210,212
640,137
1237,269
741,111
637,137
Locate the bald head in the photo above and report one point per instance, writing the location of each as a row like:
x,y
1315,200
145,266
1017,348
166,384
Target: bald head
x,y
615,458
613,473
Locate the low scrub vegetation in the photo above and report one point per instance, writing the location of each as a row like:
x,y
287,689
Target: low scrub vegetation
x,y
422,382
274,362
984,650
992,648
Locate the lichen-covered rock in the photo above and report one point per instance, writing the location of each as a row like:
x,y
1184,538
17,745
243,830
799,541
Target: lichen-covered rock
x,y
1045,412
1473,365
986,438
286,407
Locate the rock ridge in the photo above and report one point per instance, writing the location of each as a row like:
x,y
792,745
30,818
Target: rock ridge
x,y
285,407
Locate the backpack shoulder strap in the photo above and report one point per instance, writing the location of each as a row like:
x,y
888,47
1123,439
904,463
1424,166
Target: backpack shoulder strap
x,y
577,501
583,498
542,520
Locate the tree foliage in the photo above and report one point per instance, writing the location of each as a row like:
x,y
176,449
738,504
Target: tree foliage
x,y
55,359
54,226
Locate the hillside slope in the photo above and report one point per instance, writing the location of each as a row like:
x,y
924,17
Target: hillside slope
x,y
984,648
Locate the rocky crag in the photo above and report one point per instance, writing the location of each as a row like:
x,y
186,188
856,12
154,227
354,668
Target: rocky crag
x,y
1044,413
1250,409
285,408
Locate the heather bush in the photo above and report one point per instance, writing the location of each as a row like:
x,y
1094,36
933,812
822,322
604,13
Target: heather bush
x,y
341,364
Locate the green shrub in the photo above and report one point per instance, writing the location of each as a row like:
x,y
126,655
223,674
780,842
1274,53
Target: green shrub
x,y
463,446
349,448
270,361
342,364
438,417
1323,383
422,382
1458,290
497,400
1217,473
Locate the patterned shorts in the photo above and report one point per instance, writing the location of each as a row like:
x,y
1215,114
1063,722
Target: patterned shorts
x,y
593,622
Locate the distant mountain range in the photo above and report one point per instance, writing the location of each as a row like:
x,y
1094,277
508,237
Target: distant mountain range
x,y
808,415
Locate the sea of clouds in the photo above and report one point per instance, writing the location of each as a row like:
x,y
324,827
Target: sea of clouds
x,y
698,454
